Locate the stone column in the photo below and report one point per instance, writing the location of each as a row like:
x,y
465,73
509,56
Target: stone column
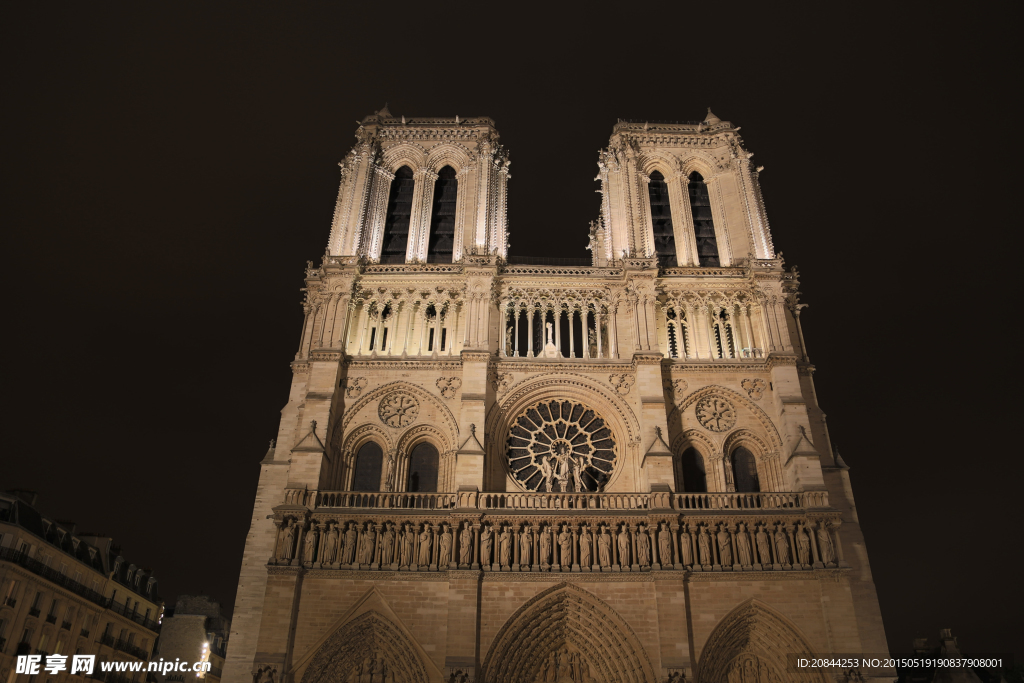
x,y
364,321
306,309
299,545
733,530
342,315
377,547
792,545
632,537
515,549
330,313
597,330
653,541
277,542
536,548
615,549
476,546
613,332
558,329
529,333
515,338
838,543
813,538
572,333
713,541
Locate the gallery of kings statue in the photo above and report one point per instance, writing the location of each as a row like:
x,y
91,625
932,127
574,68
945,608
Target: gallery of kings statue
x,y
504,470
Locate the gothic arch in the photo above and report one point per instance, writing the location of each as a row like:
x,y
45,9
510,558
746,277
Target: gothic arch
x,y
702,162
566,618
769,468
369,640
446,154
649,162
762,417
344,461
405,154
755,639
450,425
563,385
416,435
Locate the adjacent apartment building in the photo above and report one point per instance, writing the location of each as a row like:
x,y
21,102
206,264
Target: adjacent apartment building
x,y
64,592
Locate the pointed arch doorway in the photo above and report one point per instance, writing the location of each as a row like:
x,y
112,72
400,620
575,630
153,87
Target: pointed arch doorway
x,y
566,635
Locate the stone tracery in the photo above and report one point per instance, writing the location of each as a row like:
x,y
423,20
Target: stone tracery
x,y
368,648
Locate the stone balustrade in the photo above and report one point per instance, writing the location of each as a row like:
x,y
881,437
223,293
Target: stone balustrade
x,y
684,502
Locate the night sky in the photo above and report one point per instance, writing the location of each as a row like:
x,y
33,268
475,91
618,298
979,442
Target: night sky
x,y
170,167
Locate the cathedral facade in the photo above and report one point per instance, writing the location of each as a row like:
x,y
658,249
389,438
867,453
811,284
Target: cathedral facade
x,y
501,471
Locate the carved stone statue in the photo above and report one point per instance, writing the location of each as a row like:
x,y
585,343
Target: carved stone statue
x,y
705,546
577,473
724,546
604,543
505,547
486,541
309,553
388,545
782,546
685,549
329,554
525,547
665,545
825,544
623,541
288,541
547,472
763,548
426,544
369,545
643,547
445,557
545,546
509,350
585,548
466,546
803,546
408,542
743,546
565,546
351,536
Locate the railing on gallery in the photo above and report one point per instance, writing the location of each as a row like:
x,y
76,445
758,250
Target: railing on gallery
x,y
390,501
766,500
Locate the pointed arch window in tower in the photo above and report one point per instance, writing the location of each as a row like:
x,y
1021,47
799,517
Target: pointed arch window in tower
x,y
703,223
369,460
744,469
396,220
442,217
690,475
423,463
661,221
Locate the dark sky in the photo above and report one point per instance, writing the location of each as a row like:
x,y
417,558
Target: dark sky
x,y
170,167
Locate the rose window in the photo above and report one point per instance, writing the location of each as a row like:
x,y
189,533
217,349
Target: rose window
x,y
560,446
715,414
398,410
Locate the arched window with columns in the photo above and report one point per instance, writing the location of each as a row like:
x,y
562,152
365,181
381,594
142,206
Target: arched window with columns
x,y
369,461
661,221
703,223
690,473
441,243
396,221
744,469
423,466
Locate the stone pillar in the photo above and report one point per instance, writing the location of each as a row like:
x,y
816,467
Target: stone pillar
x,y
575,551
529,333
515,338
674,528
536,548
597,330
613,332
476,546
572,333
838,544
732,542
812,537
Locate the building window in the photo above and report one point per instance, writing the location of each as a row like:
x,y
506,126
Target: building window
x,y
661,221
744,469
690,475
442,217
396,222
369,459
423,462
703,223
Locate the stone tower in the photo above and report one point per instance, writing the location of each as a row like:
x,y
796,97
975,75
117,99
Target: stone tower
x,y
502,471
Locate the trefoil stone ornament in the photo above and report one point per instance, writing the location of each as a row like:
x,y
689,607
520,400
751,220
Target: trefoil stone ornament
x,y
622,383
398,410
675,389
449,386
354,387
755,388
715,414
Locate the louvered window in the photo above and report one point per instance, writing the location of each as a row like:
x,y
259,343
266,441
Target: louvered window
x,y
744,469
703,224
396,222
423,463
369,460
442,217
661,221
690,475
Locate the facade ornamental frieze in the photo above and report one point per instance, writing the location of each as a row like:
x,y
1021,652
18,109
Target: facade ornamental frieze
x,y
507,437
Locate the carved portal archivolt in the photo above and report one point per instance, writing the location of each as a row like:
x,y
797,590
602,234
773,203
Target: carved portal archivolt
x,y
750,645
566,635
368,649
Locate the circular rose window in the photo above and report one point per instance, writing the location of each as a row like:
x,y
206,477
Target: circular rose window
x,y
560,446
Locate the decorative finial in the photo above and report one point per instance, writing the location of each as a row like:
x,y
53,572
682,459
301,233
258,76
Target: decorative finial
x,y
472,429
312,426
403,120
456,118
273,443
657,430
